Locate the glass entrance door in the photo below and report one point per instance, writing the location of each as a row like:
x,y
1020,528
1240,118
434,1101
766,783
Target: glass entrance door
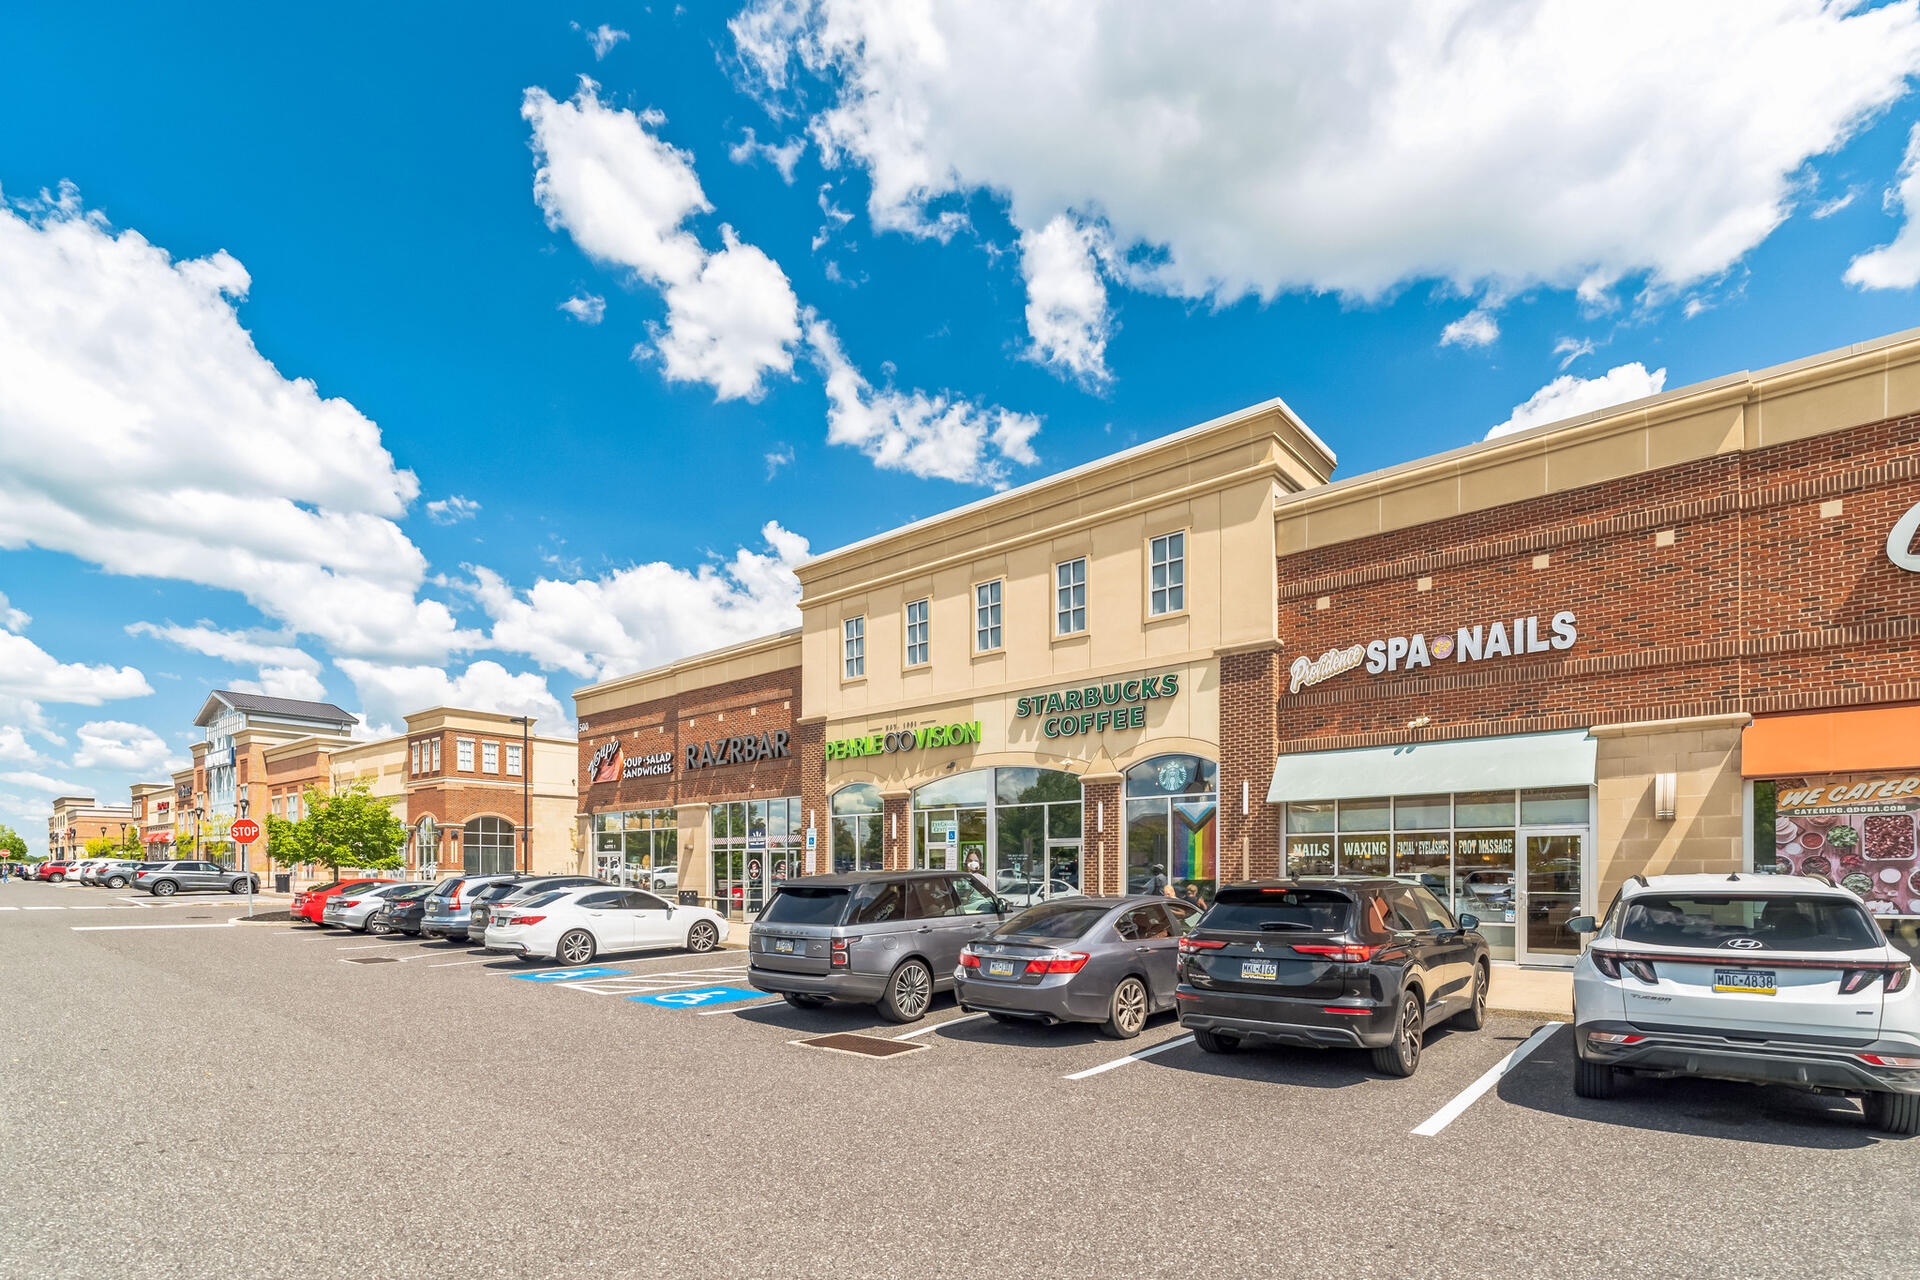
x,y
1550,881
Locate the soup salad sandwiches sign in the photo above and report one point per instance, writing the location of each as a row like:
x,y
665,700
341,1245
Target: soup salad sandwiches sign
x,y
1480,642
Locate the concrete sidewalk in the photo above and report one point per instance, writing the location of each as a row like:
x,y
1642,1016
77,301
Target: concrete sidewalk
x,y
1542,991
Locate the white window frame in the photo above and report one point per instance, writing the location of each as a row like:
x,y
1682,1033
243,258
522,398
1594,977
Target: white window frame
x,y
1167,560
513,760
989,616
1065,603
853,647
416,757
435,766
919,632
463,754
489,757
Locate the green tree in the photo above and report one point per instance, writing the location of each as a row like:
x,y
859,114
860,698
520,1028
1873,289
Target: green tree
x,y
131,845
345,828
11,844
102,847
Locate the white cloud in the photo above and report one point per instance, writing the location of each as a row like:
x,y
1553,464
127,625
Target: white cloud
x,y
1066,301
587,308
452,509
124,747
283,682
646,614
13,744
1254,148
1477,328
1569,397
1896,265
622,194
1827,208
29,672
783,157
781,455
30,781
926,436
224,472
602,38
285,670
389,693
12,619
1571,349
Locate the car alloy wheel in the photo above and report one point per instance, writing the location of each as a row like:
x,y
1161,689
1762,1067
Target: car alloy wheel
x,y
118,882
377,926
909,992
576,947
1401,1055
1128,1012
702,937
164,889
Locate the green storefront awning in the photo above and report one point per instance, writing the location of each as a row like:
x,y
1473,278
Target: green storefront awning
x,y
1523,761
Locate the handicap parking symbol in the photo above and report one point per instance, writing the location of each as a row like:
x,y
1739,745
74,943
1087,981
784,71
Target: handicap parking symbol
x,y
696,999
564,975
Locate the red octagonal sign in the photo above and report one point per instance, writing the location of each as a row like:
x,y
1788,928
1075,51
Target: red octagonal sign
x,y
244,831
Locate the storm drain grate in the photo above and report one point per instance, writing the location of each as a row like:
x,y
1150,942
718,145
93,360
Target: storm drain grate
x,y
863,1046
372,960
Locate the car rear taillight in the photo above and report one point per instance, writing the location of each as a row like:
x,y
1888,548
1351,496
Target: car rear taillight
x,y
1608,1037
350,902
1897,979
1344,1009
1852,980
1641,969
840,957
968,960
1343,952
1605,962
1059,962
519,920
1887,1060
1191,945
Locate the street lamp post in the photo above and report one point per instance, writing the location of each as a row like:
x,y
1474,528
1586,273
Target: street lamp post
x,y
526,788
196,831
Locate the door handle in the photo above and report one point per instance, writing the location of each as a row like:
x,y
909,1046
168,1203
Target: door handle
x,y
925,928
1143,948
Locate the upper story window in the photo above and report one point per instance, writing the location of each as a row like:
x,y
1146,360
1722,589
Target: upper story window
x,y
1167,569
986,616
463,755
513,759
918,631
1070,597
434,748
853,647
416,757
490,757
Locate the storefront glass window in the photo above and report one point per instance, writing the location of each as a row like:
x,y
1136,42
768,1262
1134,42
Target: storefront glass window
x,y
856,819
1366,855
1306,818
637,848
1860,830
1310,855
1016,828
952,792
1562,807
486,846
1423,813
1172,827
757,844
1483,809
1364,815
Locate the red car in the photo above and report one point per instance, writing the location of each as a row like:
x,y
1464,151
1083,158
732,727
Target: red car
x,y
309,904
54,871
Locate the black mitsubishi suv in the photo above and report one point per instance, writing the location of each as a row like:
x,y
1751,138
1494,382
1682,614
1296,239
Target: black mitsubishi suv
x,y
1342,963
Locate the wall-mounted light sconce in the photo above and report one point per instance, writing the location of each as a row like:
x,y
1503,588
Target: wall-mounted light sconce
x,y
1666,793
1100,816
1243,797
1419,722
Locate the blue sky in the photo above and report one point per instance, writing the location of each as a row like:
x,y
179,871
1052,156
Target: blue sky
x,y
971,244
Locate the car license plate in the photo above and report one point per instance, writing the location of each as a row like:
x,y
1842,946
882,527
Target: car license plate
x,y
1263,970
784,945
999,968
1753,982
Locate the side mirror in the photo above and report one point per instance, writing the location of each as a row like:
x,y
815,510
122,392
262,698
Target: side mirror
x,y
1469,922
1583,924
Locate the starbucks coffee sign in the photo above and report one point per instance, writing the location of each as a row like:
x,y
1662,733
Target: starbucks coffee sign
x,y
1096,708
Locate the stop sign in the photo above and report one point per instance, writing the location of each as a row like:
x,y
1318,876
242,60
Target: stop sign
x,y
244,831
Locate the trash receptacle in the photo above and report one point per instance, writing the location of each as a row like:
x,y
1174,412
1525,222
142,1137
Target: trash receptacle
x,y
283,884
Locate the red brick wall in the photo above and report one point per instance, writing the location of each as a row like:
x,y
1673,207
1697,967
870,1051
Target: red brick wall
x,y
1248,742
1759,604
1100,870
756,706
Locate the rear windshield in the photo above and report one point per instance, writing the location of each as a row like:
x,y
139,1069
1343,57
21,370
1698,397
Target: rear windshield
x,y
1780,922
445,888
543,899
1279,911
806,906
494,892
1054,920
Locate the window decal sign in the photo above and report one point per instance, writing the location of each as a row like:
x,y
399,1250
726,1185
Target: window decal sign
x,y
1858,831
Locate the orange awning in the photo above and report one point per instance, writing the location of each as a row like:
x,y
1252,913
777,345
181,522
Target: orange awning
x,y
1809,742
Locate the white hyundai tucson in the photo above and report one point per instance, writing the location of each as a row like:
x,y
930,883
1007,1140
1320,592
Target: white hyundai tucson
x,y
1769,979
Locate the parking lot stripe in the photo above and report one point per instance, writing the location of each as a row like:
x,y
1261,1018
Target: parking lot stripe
x,y
1162,1047
373,946
735,1008
1467,1096
936,1026
448,964
119,928
43,908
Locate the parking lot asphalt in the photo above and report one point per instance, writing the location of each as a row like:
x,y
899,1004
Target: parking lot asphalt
x,y
259,1101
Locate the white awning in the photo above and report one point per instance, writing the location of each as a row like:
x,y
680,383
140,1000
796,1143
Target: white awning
x,y
1522,761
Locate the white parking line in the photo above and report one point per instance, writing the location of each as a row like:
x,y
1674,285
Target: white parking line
x,y
43,908
1467,1096
936,1026
374,946
736,1008
1162,1047
104,928
448,964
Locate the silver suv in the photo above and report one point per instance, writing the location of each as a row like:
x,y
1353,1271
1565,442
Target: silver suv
x,y
889,938
450,906
170,878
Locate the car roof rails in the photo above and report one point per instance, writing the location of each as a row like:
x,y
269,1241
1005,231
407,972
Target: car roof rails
x,y
1642,880
1733,875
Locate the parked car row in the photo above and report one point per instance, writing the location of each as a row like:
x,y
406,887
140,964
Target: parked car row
x,y
162,878
572,919
1775,979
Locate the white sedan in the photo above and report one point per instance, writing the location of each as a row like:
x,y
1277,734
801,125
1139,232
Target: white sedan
x,y
574,925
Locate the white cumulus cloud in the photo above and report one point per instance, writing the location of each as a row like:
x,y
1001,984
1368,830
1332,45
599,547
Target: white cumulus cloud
x,y
1254,148
124,371
1477,328
1569,397
587,308
29,672
646,614
1896,265
14,745
452,509
125,747
1067,314
389,693
602,38
622,193
12,619
285,670
782,157
27,780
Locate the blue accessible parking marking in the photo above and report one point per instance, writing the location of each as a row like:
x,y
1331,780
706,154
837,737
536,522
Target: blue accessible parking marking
x,y
564,975
693,999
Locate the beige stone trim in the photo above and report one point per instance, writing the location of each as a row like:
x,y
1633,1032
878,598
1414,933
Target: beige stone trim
x,y
1736,720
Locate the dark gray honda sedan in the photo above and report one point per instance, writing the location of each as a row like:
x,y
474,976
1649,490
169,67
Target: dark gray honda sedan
x,y
1102,960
